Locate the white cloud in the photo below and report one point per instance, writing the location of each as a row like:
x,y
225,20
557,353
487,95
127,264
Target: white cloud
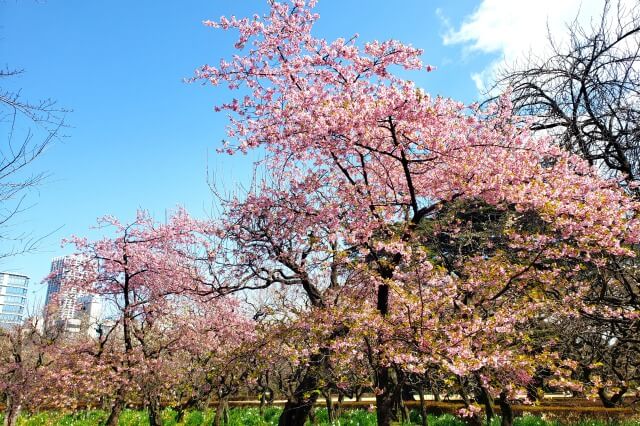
x,y
516,28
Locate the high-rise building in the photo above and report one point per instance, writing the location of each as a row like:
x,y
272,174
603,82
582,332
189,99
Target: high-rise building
x,y
61,268
13,298
66,305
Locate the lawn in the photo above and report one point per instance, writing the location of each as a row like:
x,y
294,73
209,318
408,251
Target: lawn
x,y
252,417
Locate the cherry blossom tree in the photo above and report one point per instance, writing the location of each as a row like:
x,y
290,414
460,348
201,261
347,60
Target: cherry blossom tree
x,y
26,353
144,272
216,354
361,158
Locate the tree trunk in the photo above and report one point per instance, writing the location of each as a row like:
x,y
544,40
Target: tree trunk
x,y
266,399
423,408
329,403
181,408
505,409
226,412
116,408
222,412
296,410
180,414
612,401
474,420
404,411
405,394
337,411
263,400
12,411
155,411
386,381
535,386
387,398
486,399
463,391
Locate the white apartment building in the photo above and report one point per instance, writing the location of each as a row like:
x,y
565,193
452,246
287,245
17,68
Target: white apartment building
x,y
13,298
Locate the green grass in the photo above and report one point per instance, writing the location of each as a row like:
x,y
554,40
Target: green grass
x,y
252,417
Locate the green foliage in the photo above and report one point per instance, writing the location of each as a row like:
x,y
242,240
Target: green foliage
x,y
529,420
193,418
252,417
40,419
349,417
134,418
84,418
414,417
169,417
444,420
271,414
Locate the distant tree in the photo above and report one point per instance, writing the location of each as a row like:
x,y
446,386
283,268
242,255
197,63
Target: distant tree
x,y
138,272
170,338
24,355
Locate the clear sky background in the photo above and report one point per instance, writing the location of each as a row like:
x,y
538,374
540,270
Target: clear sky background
x,y
140,137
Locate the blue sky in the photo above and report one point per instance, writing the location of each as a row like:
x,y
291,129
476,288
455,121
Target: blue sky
x,y
139,136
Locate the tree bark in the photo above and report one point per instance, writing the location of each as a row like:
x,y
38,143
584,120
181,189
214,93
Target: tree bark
x,y
116,408
329,403
338,408
505,409
612,401
387,399
222,412
296,410
534,388
486,399
423,408
312,416
474,420
263,401
12,411
180,414
266,398
191,402
389,392
118,403
155,411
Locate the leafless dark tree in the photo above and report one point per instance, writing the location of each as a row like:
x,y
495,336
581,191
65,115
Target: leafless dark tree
x,y
587,91
28,128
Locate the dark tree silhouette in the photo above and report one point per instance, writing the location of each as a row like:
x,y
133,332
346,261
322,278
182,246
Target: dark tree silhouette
x,y
587,91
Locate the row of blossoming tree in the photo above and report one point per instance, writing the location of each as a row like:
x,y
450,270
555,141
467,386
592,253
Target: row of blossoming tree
x,y
401,244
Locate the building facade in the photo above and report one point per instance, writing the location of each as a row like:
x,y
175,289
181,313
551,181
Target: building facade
x,y
68,307
13,298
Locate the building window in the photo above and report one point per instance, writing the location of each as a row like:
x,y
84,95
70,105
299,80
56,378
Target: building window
x,y
10,318
15,299
12,308
19,281
15,290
